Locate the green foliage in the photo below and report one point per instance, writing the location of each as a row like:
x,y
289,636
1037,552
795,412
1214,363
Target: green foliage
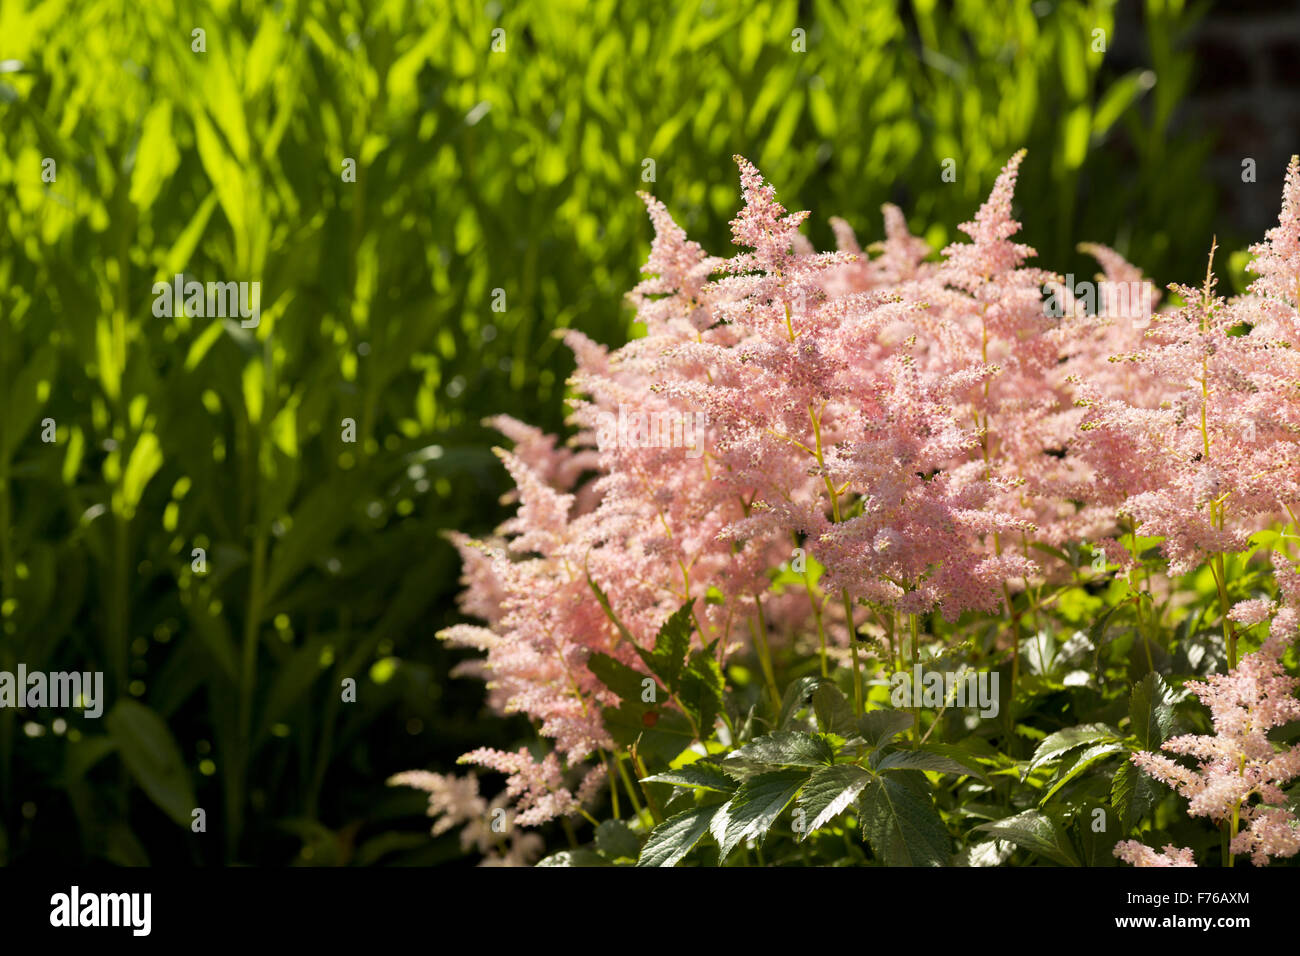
x,y
203,531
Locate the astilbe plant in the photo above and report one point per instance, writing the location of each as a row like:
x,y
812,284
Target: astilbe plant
x,y
1240,774
924,431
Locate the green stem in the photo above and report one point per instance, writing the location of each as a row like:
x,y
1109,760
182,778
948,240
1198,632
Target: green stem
x,y
853,649
916,660
765,654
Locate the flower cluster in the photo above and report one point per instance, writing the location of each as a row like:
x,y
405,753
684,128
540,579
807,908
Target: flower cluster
x,y
921,426
1239,775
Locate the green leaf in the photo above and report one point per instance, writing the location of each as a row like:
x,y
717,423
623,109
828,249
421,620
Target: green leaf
x,y
1096,846
671,644
25,398
618,677
615,841
581,857
828,793
796,698
659,735
1133,794
156,155
1074,135
1151,711
925,760
1117,99
900,822
1097,632
756,805
675,837
833,710
1049,550
1085,760
1063,741
206,339
146,458
787,748
1034,831
698,776
152,757
879,727
703,689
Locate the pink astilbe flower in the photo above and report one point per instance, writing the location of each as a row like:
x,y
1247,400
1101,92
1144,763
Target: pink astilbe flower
x,y
835,412
1139,854
455,801
1238,763
537,789
1277,259
1204,450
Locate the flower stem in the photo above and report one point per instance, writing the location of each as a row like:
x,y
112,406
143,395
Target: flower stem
x,y
916,660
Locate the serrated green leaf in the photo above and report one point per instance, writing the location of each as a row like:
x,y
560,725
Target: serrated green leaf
x,y
879,727
699,776
1085,760
675,837
828,793
1063,741
796,697
668,658
581,857
659,738
1035,831
900,823
1151,711
618,677
833,710
702,692
757,803
925,760
614,841
1133,794
786,748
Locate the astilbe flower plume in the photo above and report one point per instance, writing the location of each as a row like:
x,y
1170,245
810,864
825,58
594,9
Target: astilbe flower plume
x,y
841,401
912,423
1139,854
1240,773
1206,451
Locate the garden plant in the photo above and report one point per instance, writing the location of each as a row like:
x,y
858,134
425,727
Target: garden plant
x,y
900,557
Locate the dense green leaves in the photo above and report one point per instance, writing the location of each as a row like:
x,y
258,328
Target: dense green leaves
x,y
313,460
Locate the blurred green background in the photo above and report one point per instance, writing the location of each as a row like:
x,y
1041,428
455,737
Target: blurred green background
x,y
477,170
